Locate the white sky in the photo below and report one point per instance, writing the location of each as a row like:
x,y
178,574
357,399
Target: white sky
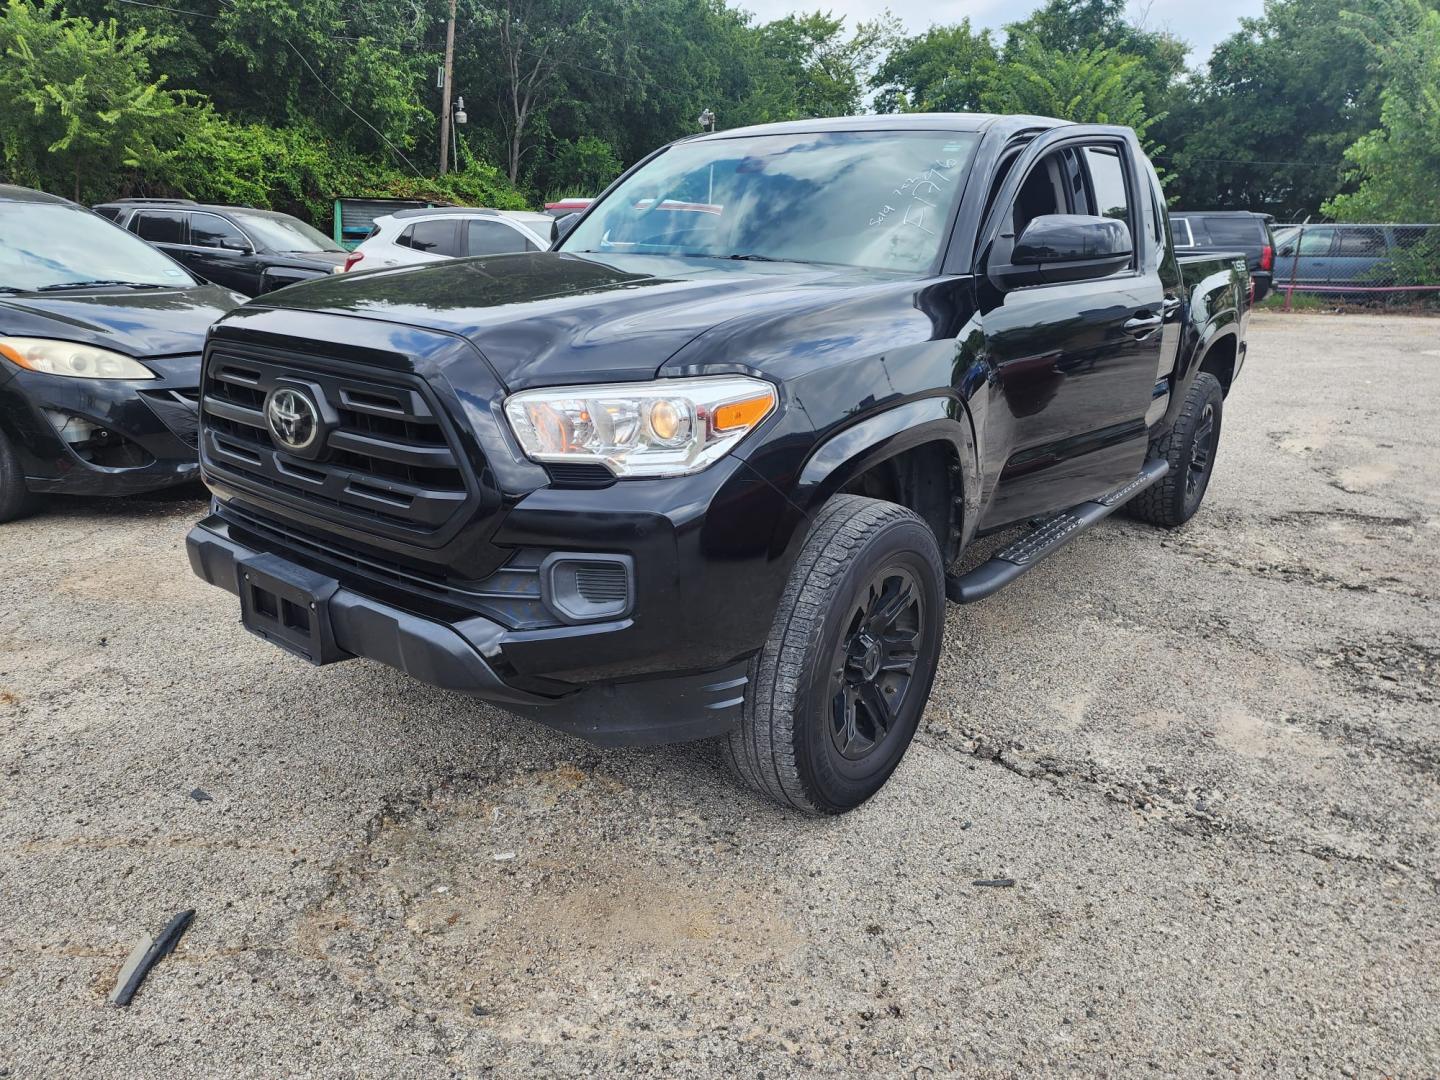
x,y
1202,23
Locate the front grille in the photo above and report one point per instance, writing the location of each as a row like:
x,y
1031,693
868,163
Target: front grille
x,y
386,462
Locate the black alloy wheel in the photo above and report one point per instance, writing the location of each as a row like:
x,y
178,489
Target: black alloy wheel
x,y
874,664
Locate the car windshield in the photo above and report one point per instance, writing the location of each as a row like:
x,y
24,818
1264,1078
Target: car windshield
x,y
281,232
871,199
48,245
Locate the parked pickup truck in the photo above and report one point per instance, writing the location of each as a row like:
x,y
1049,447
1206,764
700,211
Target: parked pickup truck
x,y
710,468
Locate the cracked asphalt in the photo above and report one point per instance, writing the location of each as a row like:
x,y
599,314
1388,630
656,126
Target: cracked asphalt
x,y
1208,759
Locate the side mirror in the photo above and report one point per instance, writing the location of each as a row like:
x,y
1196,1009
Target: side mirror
x,y
561,228
1060,247
238,246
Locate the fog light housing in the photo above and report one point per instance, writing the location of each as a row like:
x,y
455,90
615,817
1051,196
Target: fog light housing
x,y
581,588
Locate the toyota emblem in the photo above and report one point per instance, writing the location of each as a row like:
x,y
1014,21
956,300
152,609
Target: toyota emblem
x,y
293,418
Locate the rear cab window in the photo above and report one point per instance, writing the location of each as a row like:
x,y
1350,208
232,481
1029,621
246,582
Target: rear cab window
x,y
1236,231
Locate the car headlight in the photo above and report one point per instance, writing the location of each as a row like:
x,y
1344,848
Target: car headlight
x,y
68,358
669,427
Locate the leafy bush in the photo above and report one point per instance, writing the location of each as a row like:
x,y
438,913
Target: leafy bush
x,y
301,171
581,168
78,100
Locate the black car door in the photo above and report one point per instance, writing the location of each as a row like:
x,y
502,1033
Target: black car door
x,y
220,252
1072,364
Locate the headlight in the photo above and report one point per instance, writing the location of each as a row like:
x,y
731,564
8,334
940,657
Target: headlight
x,y
68,358
669,427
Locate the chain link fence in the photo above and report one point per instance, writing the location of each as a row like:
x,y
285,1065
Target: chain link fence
x,y
1361,264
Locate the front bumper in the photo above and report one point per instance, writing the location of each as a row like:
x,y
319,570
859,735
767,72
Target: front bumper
x,y
151,424
470,654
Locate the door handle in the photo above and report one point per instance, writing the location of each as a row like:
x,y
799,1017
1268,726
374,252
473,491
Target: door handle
x,y
1170,305
1142,326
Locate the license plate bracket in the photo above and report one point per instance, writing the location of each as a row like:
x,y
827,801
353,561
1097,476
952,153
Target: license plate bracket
x,y
288,606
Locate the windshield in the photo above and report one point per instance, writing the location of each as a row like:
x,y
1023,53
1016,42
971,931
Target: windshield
x,y
873,199
49,244
281,232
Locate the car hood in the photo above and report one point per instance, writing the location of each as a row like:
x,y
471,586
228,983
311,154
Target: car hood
x,y
545,318
151,322
321,260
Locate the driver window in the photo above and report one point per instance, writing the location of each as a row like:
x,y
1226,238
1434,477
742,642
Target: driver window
x,y
1043,192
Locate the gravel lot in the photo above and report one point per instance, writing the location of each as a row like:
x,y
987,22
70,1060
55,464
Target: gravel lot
x,y
1209,759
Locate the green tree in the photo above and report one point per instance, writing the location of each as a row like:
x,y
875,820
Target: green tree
x,y
1093,86
580,167
78,100
1396,167
1075,26
527,48
1267,126
945,69
356,69
811,67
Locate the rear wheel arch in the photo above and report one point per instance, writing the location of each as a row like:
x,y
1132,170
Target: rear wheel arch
x,y
1220,358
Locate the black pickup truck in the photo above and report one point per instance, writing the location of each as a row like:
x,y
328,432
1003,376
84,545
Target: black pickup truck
x,y
710,467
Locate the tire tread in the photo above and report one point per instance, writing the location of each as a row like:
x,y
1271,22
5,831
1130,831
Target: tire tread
x,y
761,752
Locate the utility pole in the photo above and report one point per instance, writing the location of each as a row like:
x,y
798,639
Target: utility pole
x,y
445,92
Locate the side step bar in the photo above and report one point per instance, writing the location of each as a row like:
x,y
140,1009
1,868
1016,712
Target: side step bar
x,y
1045,539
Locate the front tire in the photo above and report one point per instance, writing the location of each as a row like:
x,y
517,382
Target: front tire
x,y
837,692
1189,445
15,497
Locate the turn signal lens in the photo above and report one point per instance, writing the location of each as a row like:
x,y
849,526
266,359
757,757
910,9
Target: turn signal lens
x,y
742,414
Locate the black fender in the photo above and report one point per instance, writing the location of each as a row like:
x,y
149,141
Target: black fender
x,y
852,450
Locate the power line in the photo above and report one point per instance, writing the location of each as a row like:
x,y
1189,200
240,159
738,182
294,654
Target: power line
x,y
1248,161
173,11
379,134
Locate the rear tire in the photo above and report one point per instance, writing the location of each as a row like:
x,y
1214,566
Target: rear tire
x,y
1189,445
837,692
15,497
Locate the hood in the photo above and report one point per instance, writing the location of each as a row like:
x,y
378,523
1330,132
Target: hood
x,y
158,322
320,260
545,318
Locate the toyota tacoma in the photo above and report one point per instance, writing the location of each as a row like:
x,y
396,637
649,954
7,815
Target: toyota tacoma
x,y
708,468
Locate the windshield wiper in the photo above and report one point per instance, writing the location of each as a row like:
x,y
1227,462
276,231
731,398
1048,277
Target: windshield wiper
x,y
95,283
740,257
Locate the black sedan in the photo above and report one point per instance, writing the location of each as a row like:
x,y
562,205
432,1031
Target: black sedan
x,y
250,251
100,339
